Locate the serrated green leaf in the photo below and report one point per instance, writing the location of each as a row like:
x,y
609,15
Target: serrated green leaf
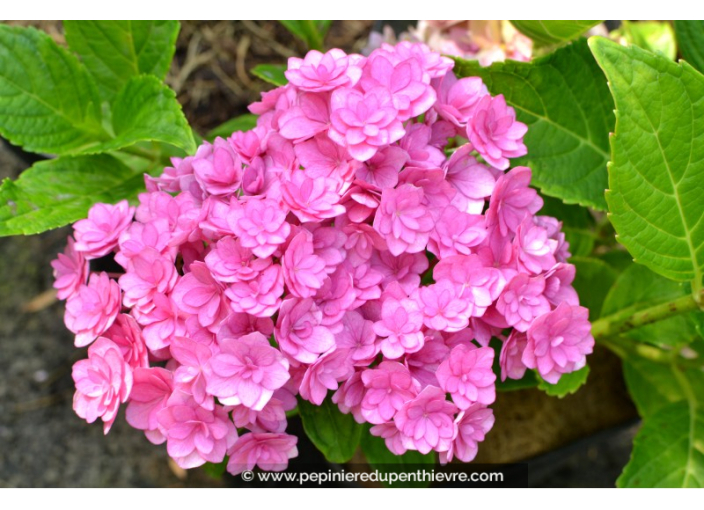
x,y
271,73
546,32
115,51
568,383
57,192
564,100
638,288
311,32
651,385
48,101
593,281
655,36
690,38
668,451
335,434
382,460
146,110
577,225
656,177
242,123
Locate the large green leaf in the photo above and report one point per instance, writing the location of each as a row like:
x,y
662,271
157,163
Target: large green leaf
x,y
546,32
57,192
652,385
48,101
568,383
690,38
335,434
147,110
381,459
656,177
242,123
638,288
593,281
115,51
310,31
669,449
655,36
564,100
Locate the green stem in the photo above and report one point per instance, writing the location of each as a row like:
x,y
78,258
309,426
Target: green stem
x,y
625,320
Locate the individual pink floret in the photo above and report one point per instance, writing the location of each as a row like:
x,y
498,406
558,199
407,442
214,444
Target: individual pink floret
x,y
358,336
93,309
400,327
512,200
472,426
405,269
260,297
228,261
534,249
304,271
320,72
70,271
194,434
310,199
198,293
127,335
458,98
299,331
473,181
193,357
559,341
393,438
147,274
456,233
510,359
162,322
328,370
389,387
402,219
246,371
442,308
221,172
321,157
495,133
150,393
427,421
381,171
270,452
349,397
260,225
103,382
522,301
467,375
362,122
97,235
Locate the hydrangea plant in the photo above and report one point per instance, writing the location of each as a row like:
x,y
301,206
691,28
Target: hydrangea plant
x,y
386,246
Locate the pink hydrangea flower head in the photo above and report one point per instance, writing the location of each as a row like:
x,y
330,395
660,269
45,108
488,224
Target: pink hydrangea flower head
x,y
512,200
97,235
364,122
93,309
388,388
260,226
472,426
270,452
467,375
260,297
70,271
522,301
402,219
246,371
495,133
321,72
195,435
427,421
559,341
299,331
304,271
103,382
328,370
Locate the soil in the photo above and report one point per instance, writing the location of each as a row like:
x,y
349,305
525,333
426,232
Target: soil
x,y
44,444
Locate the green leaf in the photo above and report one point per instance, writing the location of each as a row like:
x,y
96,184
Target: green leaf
x,y
48,101
215,471
566,104
271,73
60,191
335,434
568,383
546,32
242,123
382,460
577,224
690,38
311,32
656,177
669,449
655,36
115,51
593,281
147,110
638,288
651,385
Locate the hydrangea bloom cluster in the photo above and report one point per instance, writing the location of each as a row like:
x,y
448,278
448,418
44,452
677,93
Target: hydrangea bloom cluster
x,y
363,243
